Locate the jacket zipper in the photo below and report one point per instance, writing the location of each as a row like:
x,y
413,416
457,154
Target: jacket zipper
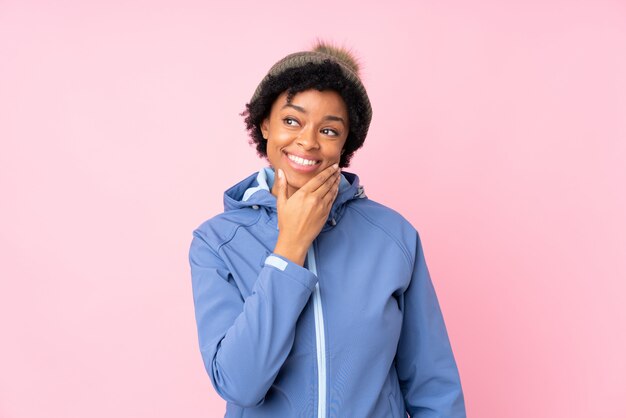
x,y
319,338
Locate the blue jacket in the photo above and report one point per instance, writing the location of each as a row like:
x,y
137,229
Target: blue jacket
x,y
356,333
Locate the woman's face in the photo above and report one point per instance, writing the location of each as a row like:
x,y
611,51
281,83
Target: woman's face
x,y
305,136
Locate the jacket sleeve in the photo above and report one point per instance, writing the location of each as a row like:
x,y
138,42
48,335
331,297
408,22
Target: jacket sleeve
x,y
244,342
427,371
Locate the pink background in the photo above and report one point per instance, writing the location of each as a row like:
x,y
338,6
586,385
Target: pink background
x,y
499,131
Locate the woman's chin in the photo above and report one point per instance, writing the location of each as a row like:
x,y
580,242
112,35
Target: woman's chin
x,y
295,184
297,178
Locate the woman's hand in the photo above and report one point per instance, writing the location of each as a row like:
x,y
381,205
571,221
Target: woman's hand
x,y
302,216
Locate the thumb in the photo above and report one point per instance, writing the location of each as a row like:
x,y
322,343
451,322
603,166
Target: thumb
x,y
281,193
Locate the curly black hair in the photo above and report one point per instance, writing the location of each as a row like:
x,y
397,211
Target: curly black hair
x,y
323,76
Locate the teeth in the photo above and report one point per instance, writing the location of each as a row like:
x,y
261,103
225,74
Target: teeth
x,y
301,161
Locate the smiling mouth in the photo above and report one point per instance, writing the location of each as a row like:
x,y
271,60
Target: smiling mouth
x,y
302,161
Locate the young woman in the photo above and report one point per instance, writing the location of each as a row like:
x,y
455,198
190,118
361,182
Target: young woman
x,y
311,299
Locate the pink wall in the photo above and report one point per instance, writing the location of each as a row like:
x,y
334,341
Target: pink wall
x,y
498,130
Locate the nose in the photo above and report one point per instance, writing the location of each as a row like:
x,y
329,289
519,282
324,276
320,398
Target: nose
x,y
307,139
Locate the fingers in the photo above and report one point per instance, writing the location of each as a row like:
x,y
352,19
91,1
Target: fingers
x,y
332,190
332,183
281,193
319,180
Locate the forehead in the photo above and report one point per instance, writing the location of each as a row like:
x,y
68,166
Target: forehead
x,y
313,101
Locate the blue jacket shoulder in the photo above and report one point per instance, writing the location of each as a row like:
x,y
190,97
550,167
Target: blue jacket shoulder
x,y
222,227
389,220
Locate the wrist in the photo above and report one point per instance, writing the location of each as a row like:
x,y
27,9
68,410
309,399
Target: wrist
x,y
295,253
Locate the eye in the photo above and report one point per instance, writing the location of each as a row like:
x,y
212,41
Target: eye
x,y
290,121
330,132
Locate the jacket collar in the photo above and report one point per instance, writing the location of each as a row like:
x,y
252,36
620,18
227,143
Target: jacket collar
x,y
255,190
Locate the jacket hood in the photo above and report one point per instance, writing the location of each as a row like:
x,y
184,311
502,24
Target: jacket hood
x,y
255,191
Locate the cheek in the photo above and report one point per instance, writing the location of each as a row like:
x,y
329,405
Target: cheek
x,y
335,150
280,137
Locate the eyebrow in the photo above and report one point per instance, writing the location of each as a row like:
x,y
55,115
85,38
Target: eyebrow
x,y
327,117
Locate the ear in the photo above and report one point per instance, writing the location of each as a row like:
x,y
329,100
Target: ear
x,y
265,127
